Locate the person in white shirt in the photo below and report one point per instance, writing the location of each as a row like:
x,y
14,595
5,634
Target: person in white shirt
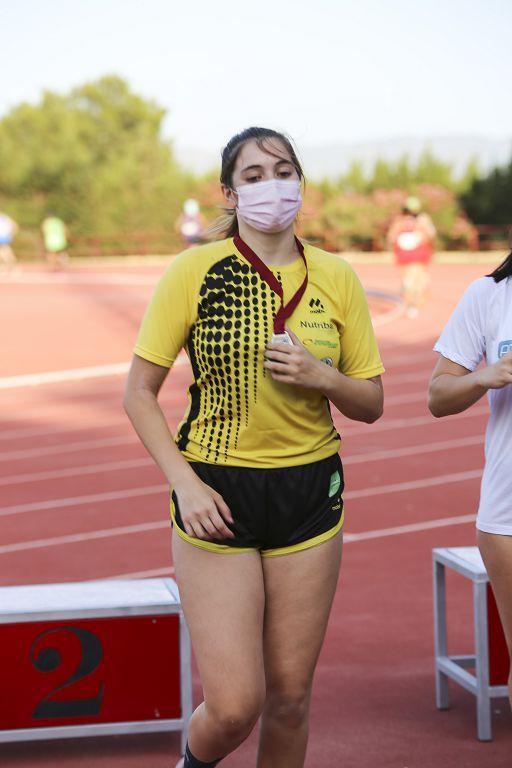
x,y
480,329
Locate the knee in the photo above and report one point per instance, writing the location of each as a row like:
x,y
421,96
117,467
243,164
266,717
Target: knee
x,y
288,710
234,721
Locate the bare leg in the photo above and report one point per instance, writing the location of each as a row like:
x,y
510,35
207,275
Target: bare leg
x,y
62,259
408,289
7,256
51,258
496,553
415,284
299,589
223,602
422,283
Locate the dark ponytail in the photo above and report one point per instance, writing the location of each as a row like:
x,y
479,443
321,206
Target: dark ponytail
x,y
505,268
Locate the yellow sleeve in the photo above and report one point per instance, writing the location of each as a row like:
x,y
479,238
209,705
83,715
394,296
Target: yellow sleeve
x,y
170,314
360,358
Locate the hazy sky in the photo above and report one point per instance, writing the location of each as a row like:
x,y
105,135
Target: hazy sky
x,y
323,70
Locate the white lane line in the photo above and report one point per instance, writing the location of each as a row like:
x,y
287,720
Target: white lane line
x,y
82,445
398,530
112,278
362,458
398,379
165,571
413,485
409,397
119,369
90,469
414,421
75,501
387,317
166,401
26,432
128,530
73,374
75,538
381,425
390,361
411,450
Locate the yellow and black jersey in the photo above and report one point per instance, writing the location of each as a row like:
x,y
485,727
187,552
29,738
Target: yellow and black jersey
x,y
213,303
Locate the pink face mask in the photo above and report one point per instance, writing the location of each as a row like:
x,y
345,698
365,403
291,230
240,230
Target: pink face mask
x,y
269,206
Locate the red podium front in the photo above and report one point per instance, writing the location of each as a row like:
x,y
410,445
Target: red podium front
x,y
499,661
93,658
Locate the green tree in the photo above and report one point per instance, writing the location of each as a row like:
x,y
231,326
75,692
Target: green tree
x,y
95,156
382,176
433,171
355,179
403,173
471,173
489,199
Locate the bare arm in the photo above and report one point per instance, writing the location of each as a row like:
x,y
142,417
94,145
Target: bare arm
x,y
202,509
453,388
426,226
358,399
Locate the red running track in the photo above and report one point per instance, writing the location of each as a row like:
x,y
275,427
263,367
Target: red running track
x,y
79,499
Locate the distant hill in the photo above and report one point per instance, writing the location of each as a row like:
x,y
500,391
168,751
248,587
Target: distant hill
x,y
331,160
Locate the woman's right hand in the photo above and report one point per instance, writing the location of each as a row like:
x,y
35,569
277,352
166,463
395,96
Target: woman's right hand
x,y
498,375
204,512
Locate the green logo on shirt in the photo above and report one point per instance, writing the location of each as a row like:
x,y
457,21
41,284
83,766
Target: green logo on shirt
x,y
334,483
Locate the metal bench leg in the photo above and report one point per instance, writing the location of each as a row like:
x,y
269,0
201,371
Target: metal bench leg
x,y
186,680
483,700
442,696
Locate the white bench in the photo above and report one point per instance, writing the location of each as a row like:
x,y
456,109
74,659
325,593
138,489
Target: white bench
x,y
468,562
93,658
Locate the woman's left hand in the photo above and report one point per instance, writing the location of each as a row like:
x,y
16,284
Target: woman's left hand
x,y
294,364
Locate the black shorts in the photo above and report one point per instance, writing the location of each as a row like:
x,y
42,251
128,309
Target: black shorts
x,y
275,511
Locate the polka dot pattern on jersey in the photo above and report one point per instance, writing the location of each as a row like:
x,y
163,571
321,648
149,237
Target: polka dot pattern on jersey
x,y
226,349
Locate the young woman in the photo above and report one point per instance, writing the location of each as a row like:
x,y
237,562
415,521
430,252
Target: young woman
x,y
274,329
481,329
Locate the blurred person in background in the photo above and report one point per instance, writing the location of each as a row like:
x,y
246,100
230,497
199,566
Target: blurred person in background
x,y
191,223
8,229
411,236
480,329
55,239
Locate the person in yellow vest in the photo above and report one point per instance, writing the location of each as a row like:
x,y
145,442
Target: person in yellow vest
x,y
55,239
276,331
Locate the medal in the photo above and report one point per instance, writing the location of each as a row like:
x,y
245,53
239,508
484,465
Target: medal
x,y
281,338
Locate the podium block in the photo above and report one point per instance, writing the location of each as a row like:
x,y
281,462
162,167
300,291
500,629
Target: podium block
x,y
490,660
93,658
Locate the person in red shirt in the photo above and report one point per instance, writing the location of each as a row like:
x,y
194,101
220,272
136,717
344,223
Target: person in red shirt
x,y
411,236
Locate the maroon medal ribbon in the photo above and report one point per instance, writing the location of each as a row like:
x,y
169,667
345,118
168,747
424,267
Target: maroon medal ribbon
x,y
285,310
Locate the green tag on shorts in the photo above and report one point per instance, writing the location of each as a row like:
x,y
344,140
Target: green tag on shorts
x,y
335,483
